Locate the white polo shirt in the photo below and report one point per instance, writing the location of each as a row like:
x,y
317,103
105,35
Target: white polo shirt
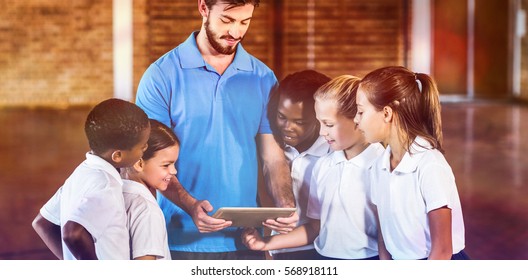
x,y
146,223
340,199
421,182
301,165
92,197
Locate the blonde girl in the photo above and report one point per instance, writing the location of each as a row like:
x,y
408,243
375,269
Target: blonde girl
x,y
413,186
153,172
342,223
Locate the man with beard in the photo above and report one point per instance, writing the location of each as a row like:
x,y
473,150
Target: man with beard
x,y
214,95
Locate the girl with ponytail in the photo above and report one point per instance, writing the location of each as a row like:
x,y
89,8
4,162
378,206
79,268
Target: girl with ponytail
x,y
412,185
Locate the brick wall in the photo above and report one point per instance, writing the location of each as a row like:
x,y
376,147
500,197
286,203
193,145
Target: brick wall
x,y
140,36
59,53
55,53
348,37
524,58
343,37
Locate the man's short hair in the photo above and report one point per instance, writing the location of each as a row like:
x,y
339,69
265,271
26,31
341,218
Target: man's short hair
x,y
232,3
115,124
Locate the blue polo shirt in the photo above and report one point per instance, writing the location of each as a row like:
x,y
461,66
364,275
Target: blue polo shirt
x,y
216,117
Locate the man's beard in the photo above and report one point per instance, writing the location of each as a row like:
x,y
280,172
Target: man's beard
x,y
211,37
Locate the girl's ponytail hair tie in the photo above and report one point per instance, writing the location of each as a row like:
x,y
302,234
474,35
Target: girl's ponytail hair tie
x,y
418,82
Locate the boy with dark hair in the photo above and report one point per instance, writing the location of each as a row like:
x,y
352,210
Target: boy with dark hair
x,y
294,97
294,124
86,218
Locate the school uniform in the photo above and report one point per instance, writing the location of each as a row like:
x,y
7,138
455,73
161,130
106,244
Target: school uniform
x,y
340,199
145,222
301,166
92,197
423,181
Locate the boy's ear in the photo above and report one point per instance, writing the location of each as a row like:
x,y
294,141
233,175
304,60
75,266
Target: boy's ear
x,y
138,166
117,156
387,114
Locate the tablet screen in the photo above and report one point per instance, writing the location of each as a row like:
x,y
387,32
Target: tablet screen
x,y
251,216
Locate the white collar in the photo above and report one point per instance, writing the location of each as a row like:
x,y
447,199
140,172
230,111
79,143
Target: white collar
x,y
131,186
97,162
364,159
409,162
319,148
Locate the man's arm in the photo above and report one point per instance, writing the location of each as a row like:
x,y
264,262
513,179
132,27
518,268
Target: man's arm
x,y
277,179
79,241
150,97
276,171
50,233
197,209
300,236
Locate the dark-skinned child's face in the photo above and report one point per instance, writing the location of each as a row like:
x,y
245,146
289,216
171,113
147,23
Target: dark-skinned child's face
x,y
297,124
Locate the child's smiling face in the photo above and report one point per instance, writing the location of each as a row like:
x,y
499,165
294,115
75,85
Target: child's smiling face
x,y
296,122
159,170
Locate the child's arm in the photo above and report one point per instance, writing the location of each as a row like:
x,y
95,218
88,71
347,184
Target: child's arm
x,y
302,235
441,239
382,250
79,241
147,257
50,233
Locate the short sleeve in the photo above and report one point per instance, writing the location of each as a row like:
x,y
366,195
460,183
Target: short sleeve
x,y
270,83
147,231
314,200
51,210
373,184
153,95
96,211
437,184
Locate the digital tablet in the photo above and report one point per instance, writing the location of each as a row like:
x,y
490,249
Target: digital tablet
x,y
251,216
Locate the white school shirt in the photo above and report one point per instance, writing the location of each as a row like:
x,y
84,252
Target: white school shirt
x,y
92,197
421,182
340,199
146,223
301,165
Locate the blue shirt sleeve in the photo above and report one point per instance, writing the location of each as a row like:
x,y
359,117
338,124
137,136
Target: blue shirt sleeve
x,y
153,95
269,82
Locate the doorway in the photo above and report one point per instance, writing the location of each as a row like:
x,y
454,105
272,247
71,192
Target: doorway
x,y
471,48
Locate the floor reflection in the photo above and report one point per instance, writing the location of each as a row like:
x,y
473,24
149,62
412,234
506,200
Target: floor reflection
x,y
484,145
